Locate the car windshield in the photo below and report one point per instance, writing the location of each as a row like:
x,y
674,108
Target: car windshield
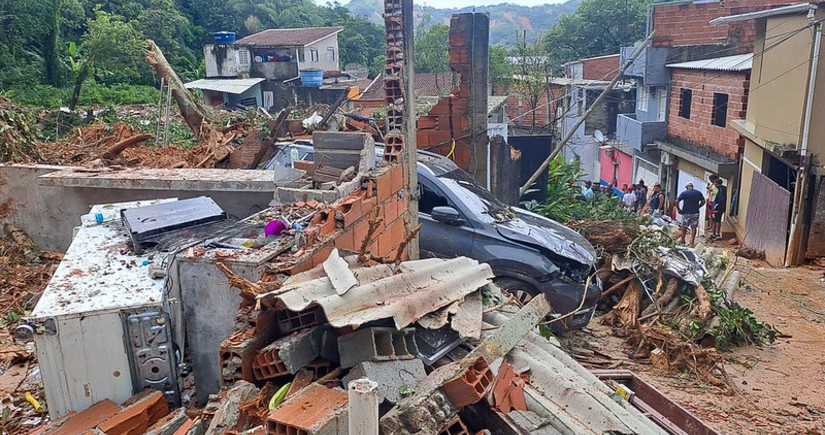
x,y
484,206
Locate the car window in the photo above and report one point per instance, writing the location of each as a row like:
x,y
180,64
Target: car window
x,y
430,198
480,202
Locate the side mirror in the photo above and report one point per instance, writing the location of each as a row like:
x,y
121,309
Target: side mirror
x,y
446,215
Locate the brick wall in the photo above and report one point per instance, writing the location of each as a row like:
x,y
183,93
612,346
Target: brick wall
x,y
687,24
698,129
600,68
450,117
345,223
518,107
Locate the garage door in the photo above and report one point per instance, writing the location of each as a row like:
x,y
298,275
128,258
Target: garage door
x,y
700,185
646,171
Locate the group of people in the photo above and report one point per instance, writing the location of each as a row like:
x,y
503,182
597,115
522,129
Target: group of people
x,y
690,201
636,199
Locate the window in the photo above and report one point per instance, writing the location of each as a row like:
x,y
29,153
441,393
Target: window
x,y
430,199
644,97
243,57
313,55
330,54
720,110
301,55
685,95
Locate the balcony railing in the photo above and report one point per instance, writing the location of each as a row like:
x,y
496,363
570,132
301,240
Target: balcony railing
x,y
637,133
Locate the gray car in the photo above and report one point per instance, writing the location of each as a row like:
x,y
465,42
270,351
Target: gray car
x,y
528,253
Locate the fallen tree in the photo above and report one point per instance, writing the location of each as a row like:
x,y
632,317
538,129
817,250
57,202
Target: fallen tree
x,y
676,306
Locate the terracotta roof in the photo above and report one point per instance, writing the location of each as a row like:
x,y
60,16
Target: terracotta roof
x,y
290,37
426,85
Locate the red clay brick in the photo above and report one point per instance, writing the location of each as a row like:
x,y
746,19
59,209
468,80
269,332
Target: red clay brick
x,y
309,412
137,417
183,430
87,419
454,427
346,241
321,255
471,385
384,183
397,178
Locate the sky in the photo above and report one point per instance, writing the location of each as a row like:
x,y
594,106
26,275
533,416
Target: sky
x,y
464,3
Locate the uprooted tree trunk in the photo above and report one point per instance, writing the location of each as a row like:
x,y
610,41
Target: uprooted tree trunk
x,y
625,314
194,113
120,146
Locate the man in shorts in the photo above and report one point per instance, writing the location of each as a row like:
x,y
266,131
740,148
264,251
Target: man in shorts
x,y
688,204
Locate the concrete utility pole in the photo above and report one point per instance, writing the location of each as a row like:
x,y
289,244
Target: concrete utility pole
x,y
602,96
409,159
363,398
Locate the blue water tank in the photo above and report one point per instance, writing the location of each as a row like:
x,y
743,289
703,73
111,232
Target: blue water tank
x,y
312,77
224,37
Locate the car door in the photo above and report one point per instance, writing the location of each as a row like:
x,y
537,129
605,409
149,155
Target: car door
x,y
438,239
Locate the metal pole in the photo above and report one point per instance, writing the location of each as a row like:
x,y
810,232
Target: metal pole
x,y
602,96
800,191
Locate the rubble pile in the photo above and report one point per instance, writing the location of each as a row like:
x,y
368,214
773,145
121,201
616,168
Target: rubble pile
x,y
17,133
676,305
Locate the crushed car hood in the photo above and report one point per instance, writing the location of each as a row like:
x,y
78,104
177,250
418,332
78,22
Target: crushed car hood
x,y
534,229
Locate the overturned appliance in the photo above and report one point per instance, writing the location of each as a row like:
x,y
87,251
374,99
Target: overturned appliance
x,y
101,300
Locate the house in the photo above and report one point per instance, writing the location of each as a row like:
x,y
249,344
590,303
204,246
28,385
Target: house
x,y
705,95
428,86
276,57
274,54
600,125
781,205
683,35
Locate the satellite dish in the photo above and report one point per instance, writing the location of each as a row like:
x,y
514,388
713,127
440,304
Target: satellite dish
x,y
598,135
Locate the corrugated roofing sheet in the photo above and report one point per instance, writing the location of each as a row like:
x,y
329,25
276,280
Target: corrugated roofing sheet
x,y
741,62
231,86
420,287
289,37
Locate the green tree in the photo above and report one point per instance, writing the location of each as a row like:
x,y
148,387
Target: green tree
x,y
501,70
532,73
256,15
597,27
432,49
110,46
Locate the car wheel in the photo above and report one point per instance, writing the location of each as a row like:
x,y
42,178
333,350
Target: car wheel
x,y
522,291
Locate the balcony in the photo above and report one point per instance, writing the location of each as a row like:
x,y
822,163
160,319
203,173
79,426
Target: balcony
x,y
639,133
649,66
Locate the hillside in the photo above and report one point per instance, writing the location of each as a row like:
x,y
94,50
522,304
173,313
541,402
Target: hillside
x,y
506,19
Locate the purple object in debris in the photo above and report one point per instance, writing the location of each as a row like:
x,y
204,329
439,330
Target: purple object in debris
x,y
274,228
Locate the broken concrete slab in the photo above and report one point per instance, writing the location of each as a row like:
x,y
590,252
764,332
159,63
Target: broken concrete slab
x,y
467,318
376,344
229,411
393,377
512,331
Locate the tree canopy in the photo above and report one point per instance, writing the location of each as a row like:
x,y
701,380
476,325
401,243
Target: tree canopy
x,y
41,41
597,27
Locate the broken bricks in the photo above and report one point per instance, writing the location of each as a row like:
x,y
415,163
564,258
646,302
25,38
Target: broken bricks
x,y
287,355
395,379
376,344
315,410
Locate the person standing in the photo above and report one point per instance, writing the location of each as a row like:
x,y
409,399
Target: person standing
x,y
641,196
710,196
628,198
588,190
719,206
691,201
657,201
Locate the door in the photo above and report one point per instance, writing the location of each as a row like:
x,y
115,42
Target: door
x,y
269,99
661,100
700,185
438,239
766,227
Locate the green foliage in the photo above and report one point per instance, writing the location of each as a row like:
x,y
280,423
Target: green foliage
x,y
563,186
501,70
432,49
112,47
48,96
597,27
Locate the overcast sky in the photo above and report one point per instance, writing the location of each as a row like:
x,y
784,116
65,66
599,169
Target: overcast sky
x,y
463,3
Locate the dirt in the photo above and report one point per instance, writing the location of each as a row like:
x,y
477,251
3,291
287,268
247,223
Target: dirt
x,y
778,389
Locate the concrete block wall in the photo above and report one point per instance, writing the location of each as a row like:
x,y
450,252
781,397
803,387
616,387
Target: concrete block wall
x,y
687,24
699,129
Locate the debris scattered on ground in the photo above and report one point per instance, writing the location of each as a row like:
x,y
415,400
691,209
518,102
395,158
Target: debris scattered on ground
x,y
676,306
17,133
